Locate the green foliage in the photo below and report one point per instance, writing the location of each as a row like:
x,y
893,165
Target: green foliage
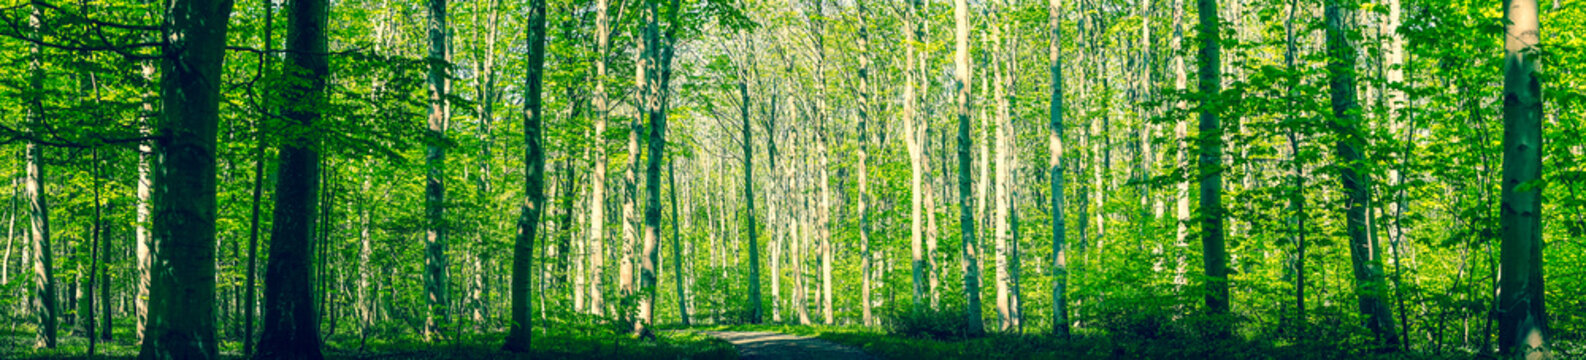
x,y
929,323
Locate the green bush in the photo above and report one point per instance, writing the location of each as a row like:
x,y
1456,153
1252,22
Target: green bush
x,y
939,324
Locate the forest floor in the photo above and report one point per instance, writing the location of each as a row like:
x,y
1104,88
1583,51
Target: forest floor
x,y
765,345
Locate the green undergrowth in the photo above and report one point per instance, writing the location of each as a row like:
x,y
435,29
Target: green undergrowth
x,y
1083,344
558,341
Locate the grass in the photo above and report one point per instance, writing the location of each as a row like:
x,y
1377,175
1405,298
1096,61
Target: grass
x,y
1086,344
560,341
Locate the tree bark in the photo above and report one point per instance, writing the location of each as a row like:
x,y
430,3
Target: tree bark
x,y
181,305
1060,326
1357,185
1522,320
597,192
966,217
866,268
435,269
913,129
250,302
1215,256
291,324
44,302
519,332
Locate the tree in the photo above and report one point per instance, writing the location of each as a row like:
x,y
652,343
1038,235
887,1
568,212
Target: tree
x,y
181,301
597,192
914,136
1055,160
1357,184
1211,153
966,213
38,203
1522,328
652,173
865,267
748,195
291,322
519,331
435,283
258,192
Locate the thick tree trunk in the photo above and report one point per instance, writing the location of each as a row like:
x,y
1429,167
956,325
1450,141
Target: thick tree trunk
x,y
291,324
1522,320
519,331
1357,184
44,302
971,247
1055,161
181,308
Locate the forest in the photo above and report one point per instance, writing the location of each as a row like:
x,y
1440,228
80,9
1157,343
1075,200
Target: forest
x,y
793,179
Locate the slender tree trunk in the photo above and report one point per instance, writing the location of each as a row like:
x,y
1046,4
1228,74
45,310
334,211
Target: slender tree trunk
x,y
597,192
1001,183
630,233
866,268
677,247
1181,207
1522,328
249,304
913,129
291,324
181,301
1357,185
748,195
94,260
1297,198
1211,152
1055,161
519,332
971,250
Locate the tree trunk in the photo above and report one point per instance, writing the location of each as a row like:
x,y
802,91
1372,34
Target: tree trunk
x,y
1055,161
181,305
966,216
913,130
44,303
435,282
677,247
1297,197
1357,186
748,195
1001,183
1522,328
1181,207
249,304
597,192
291,324
864,155
94,259
519,332
1215,256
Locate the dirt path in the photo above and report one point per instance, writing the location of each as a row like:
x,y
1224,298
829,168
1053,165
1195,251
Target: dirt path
x,y
755,345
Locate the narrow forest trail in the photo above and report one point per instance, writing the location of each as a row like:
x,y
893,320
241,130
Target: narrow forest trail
x,y
761,345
